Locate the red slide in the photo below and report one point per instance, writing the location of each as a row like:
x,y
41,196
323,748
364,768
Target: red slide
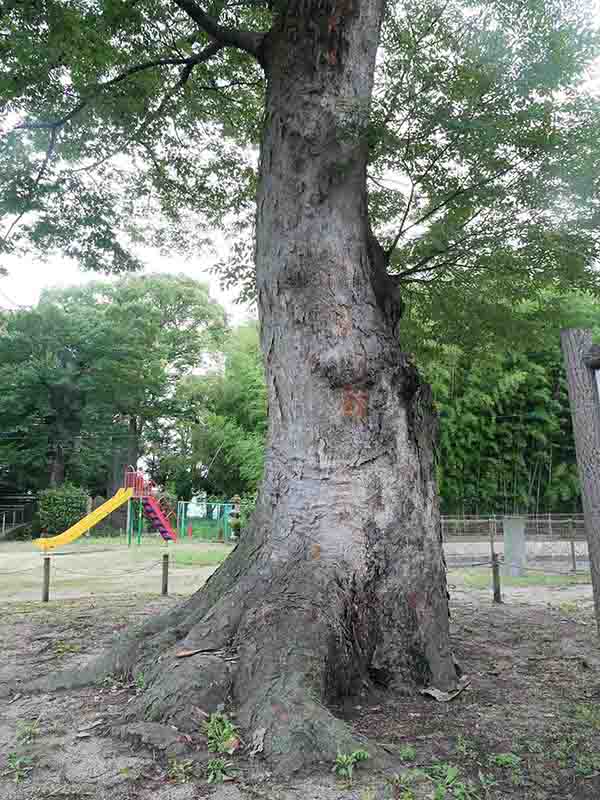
x,y
159,522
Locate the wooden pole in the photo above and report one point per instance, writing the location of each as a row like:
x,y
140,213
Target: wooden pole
x,y
165,574
585,411
129,521
46,580
496,579
140,521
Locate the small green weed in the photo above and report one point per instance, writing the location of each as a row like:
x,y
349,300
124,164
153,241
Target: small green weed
x,y
130,773
568,608
533,746
465,748
445,778
345,763
18,767
509,760
217,770
27,731
367,794
408,752
62,648
588,714
587,764
222,734
400,789
140,682
566,748
180,771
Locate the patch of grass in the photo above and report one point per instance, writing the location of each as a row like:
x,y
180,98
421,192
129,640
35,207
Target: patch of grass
x,y
368,794
140,682
568,608
408,752
448,784
533,746
481,578
217,770
62,648
566,748
195,557
589,714
180,771
465,748
345,763
18,767
222,734
509,760
27,731
130,773
587,764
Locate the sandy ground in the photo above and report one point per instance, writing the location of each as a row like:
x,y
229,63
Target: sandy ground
x,y
100,568
527,727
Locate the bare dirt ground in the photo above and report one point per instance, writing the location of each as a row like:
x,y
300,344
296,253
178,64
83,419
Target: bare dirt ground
x,y
526,728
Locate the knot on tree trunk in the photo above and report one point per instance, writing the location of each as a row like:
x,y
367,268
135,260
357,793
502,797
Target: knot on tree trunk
x,y
347,364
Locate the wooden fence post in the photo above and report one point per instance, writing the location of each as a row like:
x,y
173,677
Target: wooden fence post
x,y
496,579
581,363
46,580
165,574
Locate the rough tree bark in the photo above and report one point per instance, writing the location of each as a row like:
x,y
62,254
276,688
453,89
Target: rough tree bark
x,y
56,476
339,584
585,412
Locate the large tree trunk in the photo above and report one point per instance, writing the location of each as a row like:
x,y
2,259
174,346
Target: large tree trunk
x,y
339,583
56,475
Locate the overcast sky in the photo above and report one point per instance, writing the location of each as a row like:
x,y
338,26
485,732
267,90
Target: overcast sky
x,y
28,277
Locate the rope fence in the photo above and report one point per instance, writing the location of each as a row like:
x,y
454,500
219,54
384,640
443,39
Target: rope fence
x,y
46,572
87,574
494,563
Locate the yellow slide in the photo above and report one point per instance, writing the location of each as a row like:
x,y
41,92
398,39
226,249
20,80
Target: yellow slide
x,y
81,527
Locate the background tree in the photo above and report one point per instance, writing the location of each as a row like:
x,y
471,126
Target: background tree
x,y
47,363
84,372
342,561
219,446
166,325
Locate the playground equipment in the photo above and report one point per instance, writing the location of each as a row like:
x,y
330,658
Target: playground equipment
x,y
207,521
83,526
136,489
144,492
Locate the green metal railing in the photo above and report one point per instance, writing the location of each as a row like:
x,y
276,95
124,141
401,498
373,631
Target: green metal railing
x,y
206,521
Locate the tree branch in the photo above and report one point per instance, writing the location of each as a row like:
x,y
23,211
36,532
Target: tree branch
x,y
36,183
188,64
458,193
394,244
249,41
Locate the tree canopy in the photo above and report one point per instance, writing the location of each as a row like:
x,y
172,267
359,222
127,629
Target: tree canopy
x,y
483,163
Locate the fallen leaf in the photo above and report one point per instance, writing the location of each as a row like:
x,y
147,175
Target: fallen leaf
x,y
258,741
446,697
187,653
91,726
232,745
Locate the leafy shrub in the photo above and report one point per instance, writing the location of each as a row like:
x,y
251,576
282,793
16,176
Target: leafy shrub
x,y
246,508
345,763
62,507
216,770
222,734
